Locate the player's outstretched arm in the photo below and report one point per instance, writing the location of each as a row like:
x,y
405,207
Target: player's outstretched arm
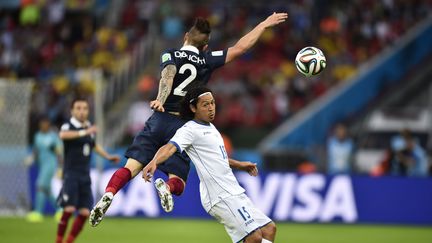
x,y
247,166
69,134
161,156
247,41
102,152
165,86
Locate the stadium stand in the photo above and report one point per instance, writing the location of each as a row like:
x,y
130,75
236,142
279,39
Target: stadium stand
x,y
55,43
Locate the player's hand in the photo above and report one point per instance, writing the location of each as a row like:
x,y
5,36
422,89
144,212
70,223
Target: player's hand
x,y
249,167
91,130
156,105
148,171
275,19
114,158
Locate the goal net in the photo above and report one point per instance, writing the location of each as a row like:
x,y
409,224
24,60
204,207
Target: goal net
x,y
15,98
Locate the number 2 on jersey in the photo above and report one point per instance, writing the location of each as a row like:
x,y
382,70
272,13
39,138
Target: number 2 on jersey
x,y
193,73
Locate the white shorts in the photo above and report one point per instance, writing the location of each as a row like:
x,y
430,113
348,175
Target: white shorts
x,y
239,216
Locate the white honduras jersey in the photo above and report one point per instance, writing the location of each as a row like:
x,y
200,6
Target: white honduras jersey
x,y
204,145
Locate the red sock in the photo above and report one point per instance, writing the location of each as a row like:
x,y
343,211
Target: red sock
x,y
62,225
76,228
176,186
118,180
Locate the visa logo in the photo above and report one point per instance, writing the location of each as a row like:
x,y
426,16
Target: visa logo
x,y
303,198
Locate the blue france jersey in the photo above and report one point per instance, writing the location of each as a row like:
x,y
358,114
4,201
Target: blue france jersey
x,y
77,152
194,69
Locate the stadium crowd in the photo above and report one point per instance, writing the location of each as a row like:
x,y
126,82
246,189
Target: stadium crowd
x,y
264,87
55,42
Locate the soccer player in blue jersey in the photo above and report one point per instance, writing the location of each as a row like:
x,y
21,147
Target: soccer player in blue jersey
x,y
182,69
78,136
48,152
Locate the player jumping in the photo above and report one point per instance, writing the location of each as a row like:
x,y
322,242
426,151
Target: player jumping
x,y
182,69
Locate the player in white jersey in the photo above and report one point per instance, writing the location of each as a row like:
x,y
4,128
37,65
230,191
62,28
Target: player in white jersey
x,y
221,195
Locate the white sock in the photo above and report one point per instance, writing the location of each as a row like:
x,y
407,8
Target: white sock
x,y
265,241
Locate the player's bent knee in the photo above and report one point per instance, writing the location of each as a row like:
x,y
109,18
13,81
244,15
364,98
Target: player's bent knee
x,y
69,209
133,166
254,237
176,185
84,212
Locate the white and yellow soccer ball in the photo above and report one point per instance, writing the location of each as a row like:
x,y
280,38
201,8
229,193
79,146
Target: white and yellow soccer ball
x,y
310,61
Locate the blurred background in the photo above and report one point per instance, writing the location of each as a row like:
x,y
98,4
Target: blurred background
x,y
351,145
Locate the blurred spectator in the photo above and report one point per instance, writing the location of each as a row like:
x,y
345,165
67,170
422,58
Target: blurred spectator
x,y
140,110
263,87
57,44
228,145
56,11
409,158
30,12
339,151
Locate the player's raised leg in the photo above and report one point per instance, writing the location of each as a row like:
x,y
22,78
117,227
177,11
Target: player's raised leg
x,y
175,185
118,180
164,194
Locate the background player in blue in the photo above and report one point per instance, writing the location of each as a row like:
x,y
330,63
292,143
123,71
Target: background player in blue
x,y
182,69
47,152
78,136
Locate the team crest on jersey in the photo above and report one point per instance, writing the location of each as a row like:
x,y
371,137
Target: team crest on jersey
x,y
166,57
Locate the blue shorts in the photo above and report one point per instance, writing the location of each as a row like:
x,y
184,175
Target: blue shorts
x,y
158,130
76,191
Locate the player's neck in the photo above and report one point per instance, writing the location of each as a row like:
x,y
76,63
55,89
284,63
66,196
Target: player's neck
x,y
201,122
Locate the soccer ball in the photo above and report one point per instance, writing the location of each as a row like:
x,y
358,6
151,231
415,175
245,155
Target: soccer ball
x,y
310,61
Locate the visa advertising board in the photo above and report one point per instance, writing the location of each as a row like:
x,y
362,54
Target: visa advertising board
x,y
289,197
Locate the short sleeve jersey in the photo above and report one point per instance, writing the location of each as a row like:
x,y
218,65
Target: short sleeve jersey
x,y
77,152
204,145
194,69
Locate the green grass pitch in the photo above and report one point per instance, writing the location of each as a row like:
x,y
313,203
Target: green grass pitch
x,y
125,230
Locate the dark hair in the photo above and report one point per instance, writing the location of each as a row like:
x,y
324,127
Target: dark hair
x,y
44,117
199,33
191,98
78,99
202,26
